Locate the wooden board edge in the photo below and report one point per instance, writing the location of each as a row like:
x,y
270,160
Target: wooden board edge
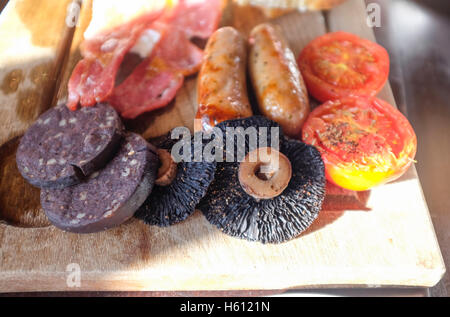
x,y
335,22
108,281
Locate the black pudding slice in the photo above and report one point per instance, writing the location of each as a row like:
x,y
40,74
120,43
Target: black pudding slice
x,y
108,197
64,146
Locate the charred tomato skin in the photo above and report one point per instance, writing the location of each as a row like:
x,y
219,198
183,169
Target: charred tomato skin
x,y
341,64
364,142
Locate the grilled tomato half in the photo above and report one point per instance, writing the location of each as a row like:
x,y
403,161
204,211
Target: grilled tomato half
x,y
364,142
341,64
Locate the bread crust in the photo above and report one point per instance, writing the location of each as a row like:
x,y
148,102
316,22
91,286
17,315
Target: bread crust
x,y
293,4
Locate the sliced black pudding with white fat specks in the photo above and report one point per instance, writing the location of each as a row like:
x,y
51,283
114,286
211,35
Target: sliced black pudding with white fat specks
x,y
108,197
64,146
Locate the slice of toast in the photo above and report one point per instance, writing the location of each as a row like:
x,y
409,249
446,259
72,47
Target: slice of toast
x,y
291,4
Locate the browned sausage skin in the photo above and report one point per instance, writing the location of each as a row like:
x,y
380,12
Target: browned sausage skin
x,y
221,85
276,79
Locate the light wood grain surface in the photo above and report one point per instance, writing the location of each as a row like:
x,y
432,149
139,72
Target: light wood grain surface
x,y
32,51
32,48
391,243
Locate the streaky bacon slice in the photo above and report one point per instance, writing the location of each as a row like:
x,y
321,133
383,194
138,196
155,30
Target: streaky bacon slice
x,y
197,18
93,77
155,82
144,92
177,52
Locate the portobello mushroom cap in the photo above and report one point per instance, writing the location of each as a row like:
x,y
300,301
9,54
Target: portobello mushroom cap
x,y
229,207
174,202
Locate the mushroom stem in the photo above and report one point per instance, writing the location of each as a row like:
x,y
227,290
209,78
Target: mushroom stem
x,y
265,173
167,169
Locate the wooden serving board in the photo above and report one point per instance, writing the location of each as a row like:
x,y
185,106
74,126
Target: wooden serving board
x,y
390,241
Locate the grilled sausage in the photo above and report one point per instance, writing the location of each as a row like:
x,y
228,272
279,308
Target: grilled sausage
x,y
276,79
221,86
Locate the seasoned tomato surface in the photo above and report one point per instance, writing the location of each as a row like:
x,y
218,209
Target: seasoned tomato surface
x,y
364,142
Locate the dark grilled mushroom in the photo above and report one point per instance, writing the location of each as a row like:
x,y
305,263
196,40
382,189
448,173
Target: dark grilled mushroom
x,y
167,170
266,175
178,188
239,205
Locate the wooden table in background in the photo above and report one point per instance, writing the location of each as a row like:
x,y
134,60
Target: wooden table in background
x,y
417,36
